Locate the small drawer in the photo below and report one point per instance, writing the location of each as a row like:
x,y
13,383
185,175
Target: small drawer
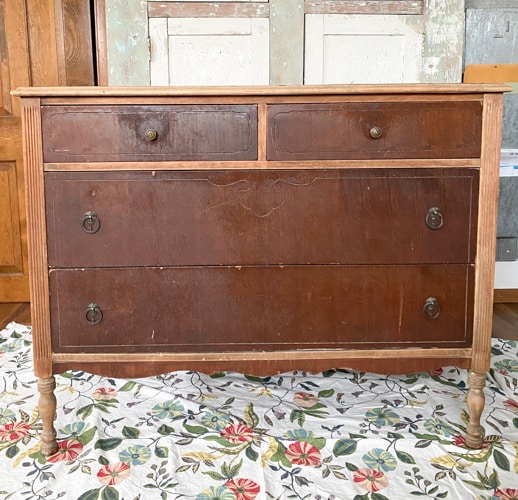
x,y
264,308
350,216
347,131
149,133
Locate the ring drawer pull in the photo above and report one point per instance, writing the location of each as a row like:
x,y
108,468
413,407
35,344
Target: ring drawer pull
x,y
150,134
434,218
431,308
376,132
91,223
93,314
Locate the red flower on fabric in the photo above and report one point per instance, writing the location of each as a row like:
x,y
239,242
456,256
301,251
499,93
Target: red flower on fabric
x,y
507,494
68,450
436,372
13,431
302,453
370,479
237,433
103,393
244,489
511,404
113,473
304,399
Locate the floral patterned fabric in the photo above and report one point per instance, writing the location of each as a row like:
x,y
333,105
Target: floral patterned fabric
x,y
335,435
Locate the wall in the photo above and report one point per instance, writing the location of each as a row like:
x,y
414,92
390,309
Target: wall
x,y
492,38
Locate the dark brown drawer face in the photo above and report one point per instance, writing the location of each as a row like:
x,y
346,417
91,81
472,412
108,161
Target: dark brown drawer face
x,y
340,131
149,133
204,309
360,216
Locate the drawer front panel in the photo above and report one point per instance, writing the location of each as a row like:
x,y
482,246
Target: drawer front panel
x,y
354,216
339,131
149,133
220,308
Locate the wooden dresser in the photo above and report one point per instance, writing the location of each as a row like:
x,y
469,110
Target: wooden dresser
x,y
261,229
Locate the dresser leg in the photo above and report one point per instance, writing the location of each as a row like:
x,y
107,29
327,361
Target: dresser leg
x,y
47,409
475,402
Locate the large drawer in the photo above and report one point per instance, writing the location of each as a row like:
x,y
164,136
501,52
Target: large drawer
x,y
149,133
204,309
368,130
351,216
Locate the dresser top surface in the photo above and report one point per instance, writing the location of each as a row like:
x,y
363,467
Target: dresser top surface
x,y
272,90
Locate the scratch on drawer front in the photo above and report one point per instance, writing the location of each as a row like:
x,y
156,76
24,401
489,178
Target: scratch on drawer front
x,y
401,300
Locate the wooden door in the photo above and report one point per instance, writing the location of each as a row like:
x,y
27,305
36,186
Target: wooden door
x,y
42,43
280,42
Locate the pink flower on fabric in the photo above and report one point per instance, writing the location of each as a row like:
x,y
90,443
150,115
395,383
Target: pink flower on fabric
x,y
13,431
244,489
113,473
302,453
370,480
104,393
68,450
304,399
507,494
237,433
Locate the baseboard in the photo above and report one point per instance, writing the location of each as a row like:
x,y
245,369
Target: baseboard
x,y
505,295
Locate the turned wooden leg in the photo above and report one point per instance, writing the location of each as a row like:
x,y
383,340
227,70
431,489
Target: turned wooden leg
x,y
47,409
475,402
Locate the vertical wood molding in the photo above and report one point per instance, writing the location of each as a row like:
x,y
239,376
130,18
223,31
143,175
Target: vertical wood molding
x,y
100,42
444,33
127,43
37,238
486,235
41,22
286,42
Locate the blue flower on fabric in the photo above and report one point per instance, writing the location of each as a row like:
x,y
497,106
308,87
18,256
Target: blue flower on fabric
x,y
135,455
439,427
73,430
14,345
215,419
299,434
507,366
6,416
168,409
380,460
382,416
216,493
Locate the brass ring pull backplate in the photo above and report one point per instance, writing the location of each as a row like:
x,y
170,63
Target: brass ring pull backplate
x,y
431,308
376,132
91,223
93,314
434,218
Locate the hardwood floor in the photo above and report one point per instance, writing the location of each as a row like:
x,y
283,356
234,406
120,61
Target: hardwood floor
x,y
505,318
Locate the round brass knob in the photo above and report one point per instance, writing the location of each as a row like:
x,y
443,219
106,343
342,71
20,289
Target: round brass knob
x,y
376,132
434,218
93,314
431,308
91,223
150,134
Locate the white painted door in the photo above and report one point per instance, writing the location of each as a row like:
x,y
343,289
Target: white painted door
x,y
280,42
363,49
219,51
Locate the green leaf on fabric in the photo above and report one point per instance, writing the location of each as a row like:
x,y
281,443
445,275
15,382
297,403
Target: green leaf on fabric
x,y
161,452
130,432
107,444
127,386
501,460
90,495
165,430
87,436
344,447
405,457
326,393
195,429
109,493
